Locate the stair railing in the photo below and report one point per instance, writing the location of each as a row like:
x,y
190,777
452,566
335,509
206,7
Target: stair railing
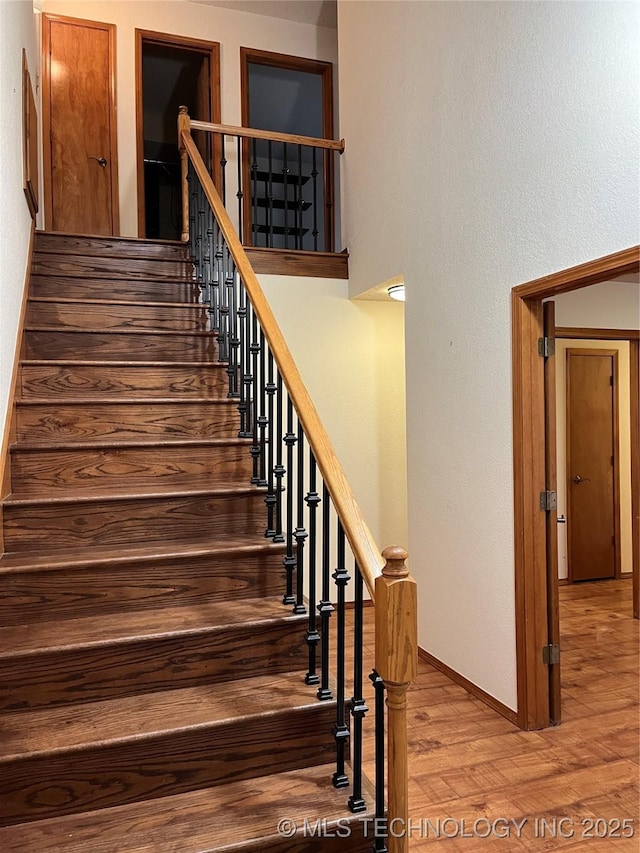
x,y
310,509
283,184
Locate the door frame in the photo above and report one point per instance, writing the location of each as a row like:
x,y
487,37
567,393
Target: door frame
x,y
205,48
529,455
47,20
293,63
615,424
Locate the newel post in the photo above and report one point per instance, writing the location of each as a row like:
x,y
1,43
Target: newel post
x,y
397,663
184,126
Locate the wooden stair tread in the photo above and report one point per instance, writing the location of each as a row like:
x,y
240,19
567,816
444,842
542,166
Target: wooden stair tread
x,y
49,362
127,493
238,816
132,717
150,553
118,331
232,441
118,401
71,300
131,626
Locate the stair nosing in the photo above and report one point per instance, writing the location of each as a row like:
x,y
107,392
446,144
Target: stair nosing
x,y
106,277
46,362
117,400
251,490
70,300
30,447
119,331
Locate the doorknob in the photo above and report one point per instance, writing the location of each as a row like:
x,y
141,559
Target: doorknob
x,y
578,479
101,161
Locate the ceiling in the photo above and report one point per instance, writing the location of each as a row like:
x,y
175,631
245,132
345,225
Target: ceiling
x,y
321,13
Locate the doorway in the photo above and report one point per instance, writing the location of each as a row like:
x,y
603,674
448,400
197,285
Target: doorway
x,y
535,512
80,169
171,71
290,205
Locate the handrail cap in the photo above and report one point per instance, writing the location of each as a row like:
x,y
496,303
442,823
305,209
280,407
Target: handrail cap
x,y
395,556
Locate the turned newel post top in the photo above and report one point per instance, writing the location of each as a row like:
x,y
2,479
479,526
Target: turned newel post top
x,y
395,567
183,111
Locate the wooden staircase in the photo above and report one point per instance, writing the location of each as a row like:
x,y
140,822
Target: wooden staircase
x,y
151,681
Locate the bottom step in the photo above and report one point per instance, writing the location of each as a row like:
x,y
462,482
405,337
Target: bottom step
x,y
242,816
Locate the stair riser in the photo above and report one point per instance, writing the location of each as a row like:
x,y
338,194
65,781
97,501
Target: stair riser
x,y
32,597
89,316
94,246
95,266
166,764
38,471
132,521
86,674
119,346
94,421
52,287
91,381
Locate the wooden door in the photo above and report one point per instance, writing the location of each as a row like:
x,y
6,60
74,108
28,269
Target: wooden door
x,y
551,478
591,464
79,127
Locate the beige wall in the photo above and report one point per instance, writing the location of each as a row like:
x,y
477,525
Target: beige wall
x,y
232,29
624,421
17,30
350,354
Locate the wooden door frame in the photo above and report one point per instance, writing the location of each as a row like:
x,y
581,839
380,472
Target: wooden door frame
x,y
293,63
205,48
529,452
47,20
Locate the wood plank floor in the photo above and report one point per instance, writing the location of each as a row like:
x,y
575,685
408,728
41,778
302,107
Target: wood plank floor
x,y
469,764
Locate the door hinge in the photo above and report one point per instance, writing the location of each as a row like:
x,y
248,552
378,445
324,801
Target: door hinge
x,y
550,654
546,347
548,500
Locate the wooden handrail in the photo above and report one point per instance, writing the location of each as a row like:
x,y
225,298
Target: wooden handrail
x,y
359,536
273,136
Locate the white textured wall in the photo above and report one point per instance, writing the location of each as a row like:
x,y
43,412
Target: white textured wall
x,y
350,354
232,29
488,144
16,31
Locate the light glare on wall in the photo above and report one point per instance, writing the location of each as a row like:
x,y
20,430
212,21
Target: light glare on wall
x,y
397,292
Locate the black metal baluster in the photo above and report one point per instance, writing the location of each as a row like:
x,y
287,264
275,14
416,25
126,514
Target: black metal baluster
x,y
240,193
255,397
380,831
358,705
285,180
300,533
242,357
298,202
289,560
278,470
223,318
269,235
341,729
247,375
205,284
263,421
214,295
313,637
314,175
270,499
234,340
254,190
325,607
223,164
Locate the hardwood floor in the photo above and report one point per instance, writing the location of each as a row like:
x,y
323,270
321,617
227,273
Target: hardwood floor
x,y
468,763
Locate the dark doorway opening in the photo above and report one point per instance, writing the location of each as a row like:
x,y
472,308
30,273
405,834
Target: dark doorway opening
x,y
171,72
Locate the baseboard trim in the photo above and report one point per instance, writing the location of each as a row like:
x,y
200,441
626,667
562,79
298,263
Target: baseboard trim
x,y
469,686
